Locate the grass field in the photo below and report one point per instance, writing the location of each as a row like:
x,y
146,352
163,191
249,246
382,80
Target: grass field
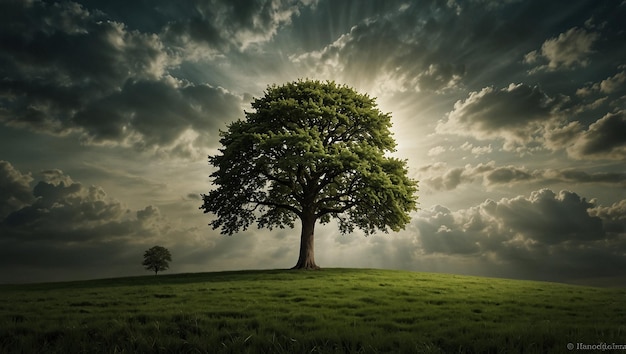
x,y
332,310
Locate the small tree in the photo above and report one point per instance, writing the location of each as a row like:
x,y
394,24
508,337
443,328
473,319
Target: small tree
x,y
156,259
312,151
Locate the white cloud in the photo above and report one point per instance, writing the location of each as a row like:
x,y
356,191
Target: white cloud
x,y
437,150
613,83
439,177
476,150
570,49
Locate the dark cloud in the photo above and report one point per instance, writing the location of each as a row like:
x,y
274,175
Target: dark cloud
x,y
614,217
66,211
438,233
150,114
60,229
66,224
386,47
605,138
216,25
440,177
560,137
104,80
526,118
576,176
516,114
106,74
14,188
507,175
444,46
548,218
67,70
193,196
545,230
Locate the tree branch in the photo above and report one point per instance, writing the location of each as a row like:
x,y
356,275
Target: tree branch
x,y
301,178
335,198
325,211
348,191
287,183
278,205
326,181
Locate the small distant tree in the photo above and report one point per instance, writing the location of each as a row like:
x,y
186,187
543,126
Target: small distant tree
x,y
157,259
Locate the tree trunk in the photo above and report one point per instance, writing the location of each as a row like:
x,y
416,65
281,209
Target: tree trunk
x,y
306,260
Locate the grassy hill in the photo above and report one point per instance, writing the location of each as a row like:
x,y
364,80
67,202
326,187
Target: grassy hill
x,y
332,310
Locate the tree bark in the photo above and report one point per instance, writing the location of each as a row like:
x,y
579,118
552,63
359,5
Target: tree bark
x,y
306,260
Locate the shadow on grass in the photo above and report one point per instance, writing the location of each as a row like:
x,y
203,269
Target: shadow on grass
x,y
181,278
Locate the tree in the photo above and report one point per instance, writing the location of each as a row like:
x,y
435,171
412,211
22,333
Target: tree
x,y
311,151
156,259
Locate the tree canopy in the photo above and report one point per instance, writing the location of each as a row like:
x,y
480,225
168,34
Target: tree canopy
x,y
312,151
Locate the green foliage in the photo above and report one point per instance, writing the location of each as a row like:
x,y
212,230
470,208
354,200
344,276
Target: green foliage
x,y
310,149
330,311
157,259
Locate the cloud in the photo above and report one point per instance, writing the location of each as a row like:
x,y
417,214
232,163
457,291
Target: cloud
x,y
67,211
518,114
437,150
67,71
14,188
61,229
576,176
569,50
549,234
614,217
605,138
61,224
508,174
476,150
219,24
393,51
562,136
444,46
607,93
439,177
613,83
174,116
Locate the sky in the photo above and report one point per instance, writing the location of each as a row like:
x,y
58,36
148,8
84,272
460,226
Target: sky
x,y
510,114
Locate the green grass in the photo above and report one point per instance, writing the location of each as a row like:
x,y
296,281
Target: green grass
x,y
332,310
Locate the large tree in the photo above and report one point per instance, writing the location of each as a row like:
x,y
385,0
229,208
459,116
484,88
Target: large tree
x,y
311,151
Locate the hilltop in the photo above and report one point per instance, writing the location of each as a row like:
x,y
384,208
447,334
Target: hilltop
x,y
332,310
